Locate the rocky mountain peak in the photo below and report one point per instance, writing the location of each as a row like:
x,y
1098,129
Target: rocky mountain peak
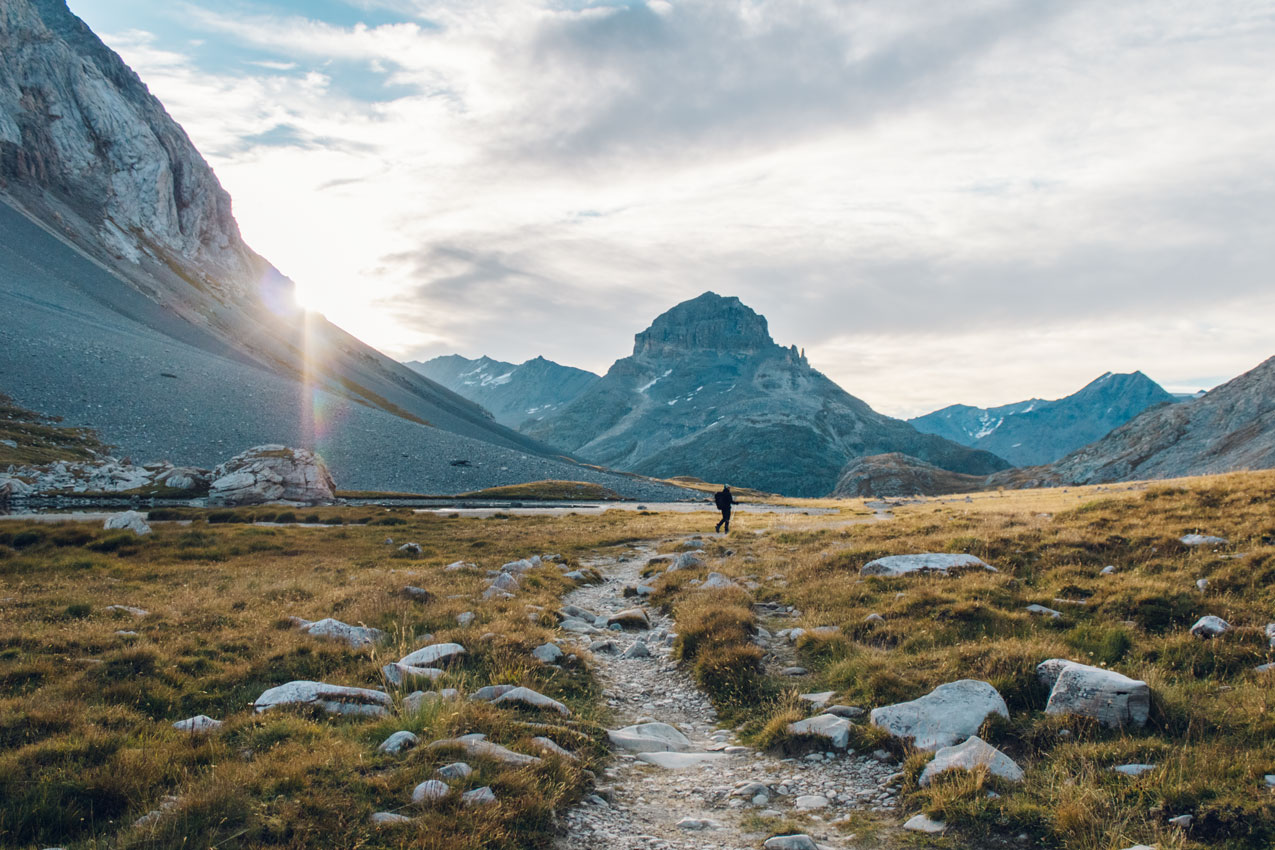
x,y
709,322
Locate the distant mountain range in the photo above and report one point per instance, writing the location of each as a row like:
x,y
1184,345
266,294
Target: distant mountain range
x,y
1036,431
708,393
130,303
515,395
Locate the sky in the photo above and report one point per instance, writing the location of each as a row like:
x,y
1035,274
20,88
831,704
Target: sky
x,y
974,202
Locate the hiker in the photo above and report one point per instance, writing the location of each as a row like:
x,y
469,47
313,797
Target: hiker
x,y
724,500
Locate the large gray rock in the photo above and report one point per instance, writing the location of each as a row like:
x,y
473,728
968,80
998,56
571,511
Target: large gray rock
x,y
1110,697
1210,627
835,729
948,714
334,699
969,755
438,653
357,637
272,473
128,521
649,738
930,562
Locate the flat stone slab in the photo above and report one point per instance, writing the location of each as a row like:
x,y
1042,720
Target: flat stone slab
x,y
438,653
1201,540
930,562
477,745
334,699
649,738
969,755
677,761
948,714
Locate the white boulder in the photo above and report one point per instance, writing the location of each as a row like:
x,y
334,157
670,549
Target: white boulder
x,y
200,724
272,473
835,729
969,755
438,653
949,713
1110,697
528,697
1210,627
128,521
357,637
930,562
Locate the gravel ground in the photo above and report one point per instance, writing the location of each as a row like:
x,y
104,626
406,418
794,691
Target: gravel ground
x,y
80,344
647,803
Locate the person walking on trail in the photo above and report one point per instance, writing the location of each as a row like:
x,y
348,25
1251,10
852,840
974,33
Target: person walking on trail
x,y
724,499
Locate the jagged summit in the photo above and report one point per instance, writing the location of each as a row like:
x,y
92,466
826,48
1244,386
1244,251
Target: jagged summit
x,y
709,322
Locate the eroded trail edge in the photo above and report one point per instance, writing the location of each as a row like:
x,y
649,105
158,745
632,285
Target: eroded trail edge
x,y
717,793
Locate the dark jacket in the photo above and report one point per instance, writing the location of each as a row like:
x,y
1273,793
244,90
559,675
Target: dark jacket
x,y
724,499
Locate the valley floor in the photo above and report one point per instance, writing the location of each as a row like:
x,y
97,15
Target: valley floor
x,y
107,638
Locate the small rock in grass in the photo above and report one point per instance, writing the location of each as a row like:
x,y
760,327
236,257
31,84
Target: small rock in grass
x,y
200,724
417,594
1107,570
1202,584
478,797
334,699
526,696
464,618
552,746
1270,634
127,609
389,819
435,654
1042,611
931,562
793,671
396,674
969,755
1182,821
429,791
1133,769
874,618
548,653
455,770
1202,540
921,823
490,692
717,581
476,744
846,711
411,550
356,637
459,565
128,521
799,841
1210,627
835,729
398,742
948,714
820,699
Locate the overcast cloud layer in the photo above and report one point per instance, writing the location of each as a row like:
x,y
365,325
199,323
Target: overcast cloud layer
x,y
977,202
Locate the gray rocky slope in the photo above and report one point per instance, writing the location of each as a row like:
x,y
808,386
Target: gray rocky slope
x,y
129,302
708,393
1037,431
1231,427
515,394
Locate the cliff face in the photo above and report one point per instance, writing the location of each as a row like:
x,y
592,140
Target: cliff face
x,y
82,137
708,393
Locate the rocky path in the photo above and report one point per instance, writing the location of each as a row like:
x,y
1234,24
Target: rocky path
x,y
718,799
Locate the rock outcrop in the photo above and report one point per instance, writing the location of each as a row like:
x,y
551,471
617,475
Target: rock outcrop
x,y
272,473
708,393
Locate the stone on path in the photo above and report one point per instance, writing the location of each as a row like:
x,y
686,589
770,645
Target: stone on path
x,y
398,742
793,671
969,755
800,841
434,654
1110,697
528,697
334,699
835,729
1210,627
200,724
697,824
677,761
630,618
357,637
921,823
931,562
430,791
810,802
128,521
948,714
637,650
649,738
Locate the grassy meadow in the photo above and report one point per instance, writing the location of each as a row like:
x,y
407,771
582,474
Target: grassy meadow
x,y
86,743
1211,728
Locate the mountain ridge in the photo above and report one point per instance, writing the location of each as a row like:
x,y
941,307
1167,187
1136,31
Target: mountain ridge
x,y
513,393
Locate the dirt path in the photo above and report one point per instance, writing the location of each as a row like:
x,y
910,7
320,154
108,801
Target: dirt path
x,y
692,808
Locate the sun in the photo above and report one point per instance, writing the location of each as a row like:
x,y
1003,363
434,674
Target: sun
x,y
309,298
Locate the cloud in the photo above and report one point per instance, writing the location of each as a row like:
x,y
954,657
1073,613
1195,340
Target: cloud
x,y
939,202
